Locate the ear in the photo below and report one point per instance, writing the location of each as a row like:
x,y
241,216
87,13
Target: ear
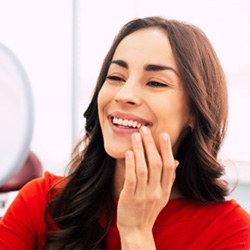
x,y
191,123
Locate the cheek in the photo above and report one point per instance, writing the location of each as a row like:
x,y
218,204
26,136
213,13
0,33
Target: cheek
x,y
104,100
173,121
101,102
106,94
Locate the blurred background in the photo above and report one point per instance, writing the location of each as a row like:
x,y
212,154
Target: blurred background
x,y
61,44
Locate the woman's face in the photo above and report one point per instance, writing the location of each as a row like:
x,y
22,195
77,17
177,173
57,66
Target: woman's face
x,y
142,87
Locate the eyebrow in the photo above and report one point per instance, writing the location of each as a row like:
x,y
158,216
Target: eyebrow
x,y
148,67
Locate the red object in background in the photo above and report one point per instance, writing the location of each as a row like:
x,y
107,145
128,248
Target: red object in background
x,y
32,168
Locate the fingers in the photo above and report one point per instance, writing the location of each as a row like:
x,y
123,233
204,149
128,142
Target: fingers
x,y
130,175
147,168
140,164
169,163
153,158
149,176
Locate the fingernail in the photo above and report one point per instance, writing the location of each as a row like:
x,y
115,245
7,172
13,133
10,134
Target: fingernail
x,y
144,130
137,137
164,136
129,155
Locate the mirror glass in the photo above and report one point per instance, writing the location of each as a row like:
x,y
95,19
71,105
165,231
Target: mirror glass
x,y
16,114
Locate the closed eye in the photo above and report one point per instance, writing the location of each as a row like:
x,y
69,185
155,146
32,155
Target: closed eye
x,y
115,78
156,84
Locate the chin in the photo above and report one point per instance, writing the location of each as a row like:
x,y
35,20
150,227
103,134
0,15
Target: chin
x,y
116,153
116,148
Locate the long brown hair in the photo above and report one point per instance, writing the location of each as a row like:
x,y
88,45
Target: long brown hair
x,y
84,209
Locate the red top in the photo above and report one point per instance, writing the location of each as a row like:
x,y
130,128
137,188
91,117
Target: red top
x,y
182,224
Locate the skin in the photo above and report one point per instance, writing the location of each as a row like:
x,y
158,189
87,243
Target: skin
x,y
143,85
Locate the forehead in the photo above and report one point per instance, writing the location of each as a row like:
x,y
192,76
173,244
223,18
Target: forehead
x,y
150,44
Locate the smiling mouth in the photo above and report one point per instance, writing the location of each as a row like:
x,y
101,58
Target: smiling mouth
x,y
126,123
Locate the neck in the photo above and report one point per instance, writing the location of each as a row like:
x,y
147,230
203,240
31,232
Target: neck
x,y
119,177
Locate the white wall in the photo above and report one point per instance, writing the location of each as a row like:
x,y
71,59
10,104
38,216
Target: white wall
x,y
39,32
96,25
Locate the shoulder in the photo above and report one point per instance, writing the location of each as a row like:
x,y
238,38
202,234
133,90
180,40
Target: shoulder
x,y
228,212
232,214
23,224
46,181
217,225
189,209
227,224
232,226
37,192
40,186
224,213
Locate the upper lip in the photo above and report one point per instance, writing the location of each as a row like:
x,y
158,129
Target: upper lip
x,y
130,117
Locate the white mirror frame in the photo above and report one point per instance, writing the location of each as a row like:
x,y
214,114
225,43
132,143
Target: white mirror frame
x,y
16,114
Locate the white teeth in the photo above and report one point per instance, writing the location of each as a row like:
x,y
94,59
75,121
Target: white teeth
x,y
126,123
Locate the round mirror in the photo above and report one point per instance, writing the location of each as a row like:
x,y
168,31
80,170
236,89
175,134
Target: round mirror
x,y
16,114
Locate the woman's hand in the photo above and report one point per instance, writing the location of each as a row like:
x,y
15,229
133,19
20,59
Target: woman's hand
x,y
149,177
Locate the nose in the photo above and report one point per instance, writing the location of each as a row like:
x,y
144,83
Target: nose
x,y
129,94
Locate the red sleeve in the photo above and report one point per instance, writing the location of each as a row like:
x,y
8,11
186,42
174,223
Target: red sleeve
x,y
23,226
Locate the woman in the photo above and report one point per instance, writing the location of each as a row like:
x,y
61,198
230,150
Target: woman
x,y
148,177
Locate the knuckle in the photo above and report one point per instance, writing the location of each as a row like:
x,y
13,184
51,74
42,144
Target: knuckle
x,y
142,173
170,167
130,182
155,196
156,163
166,193
140,201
